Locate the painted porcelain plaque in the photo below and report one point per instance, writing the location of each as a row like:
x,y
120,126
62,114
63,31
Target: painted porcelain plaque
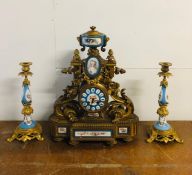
x,y
92,41
92,67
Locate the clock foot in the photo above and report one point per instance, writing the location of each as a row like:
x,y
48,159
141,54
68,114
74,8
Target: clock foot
x,y
58,139
73,142
111,143
128,139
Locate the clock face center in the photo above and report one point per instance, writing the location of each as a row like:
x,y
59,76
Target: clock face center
x,y
93,99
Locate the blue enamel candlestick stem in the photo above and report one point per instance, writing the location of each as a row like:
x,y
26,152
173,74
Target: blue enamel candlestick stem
x,y
161,130
28,129
26,98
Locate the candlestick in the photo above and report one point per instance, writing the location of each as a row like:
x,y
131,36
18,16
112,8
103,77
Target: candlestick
x,y
28,129
162,130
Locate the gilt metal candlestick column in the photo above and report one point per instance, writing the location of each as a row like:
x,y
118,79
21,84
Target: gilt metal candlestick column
x,y
161,130
28,129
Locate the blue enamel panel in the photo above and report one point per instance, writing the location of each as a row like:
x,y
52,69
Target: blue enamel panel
x,y
23,125
163,127
163,96
26,96
93,41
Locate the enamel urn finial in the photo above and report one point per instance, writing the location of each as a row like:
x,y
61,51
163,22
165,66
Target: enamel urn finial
x,y
93,39
92,28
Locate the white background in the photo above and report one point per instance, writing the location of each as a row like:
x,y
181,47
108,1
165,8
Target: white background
x,y
142,33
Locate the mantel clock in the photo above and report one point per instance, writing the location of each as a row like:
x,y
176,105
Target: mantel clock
x,y
93,107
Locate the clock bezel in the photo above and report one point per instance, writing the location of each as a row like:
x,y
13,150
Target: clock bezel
x,y
98,86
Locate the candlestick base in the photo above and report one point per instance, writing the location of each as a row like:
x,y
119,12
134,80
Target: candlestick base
x,y
163,136
27,134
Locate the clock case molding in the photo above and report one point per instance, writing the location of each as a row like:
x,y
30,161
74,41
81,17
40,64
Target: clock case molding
x,y
116,120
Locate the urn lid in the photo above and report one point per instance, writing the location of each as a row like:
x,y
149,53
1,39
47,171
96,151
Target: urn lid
x,y
93,32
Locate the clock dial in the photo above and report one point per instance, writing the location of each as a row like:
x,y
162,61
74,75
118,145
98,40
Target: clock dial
x,y
93,98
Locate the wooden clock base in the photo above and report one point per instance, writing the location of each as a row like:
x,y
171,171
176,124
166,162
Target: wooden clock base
x,y
93,130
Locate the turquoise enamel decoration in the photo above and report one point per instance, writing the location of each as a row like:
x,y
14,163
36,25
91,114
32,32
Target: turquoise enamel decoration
x,y
93,39
163,98
162,123
26,97
93,98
